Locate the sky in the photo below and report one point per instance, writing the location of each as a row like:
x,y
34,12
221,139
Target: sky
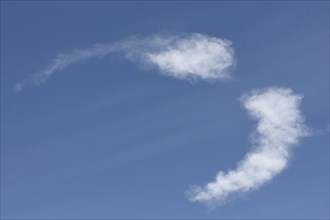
x,y
160,110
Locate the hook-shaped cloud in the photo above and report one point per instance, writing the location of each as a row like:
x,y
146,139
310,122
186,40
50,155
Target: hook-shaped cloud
x,y
201,57
185,56
280,125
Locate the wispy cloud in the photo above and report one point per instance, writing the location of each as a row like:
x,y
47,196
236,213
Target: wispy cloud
x,y
280,126
62,61
185,56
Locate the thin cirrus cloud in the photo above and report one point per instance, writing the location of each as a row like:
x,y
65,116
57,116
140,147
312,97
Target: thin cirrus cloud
x,y
280,126
185,56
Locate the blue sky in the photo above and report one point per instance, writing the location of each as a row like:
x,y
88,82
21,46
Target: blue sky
x,y
112,138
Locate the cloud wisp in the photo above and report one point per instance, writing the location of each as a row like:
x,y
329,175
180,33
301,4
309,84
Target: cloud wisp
x,y
280,126
186,56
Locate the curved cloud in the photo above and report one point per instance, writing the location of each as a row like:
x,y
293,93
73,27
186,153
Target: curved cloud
x,y
280,125
187,56
201,57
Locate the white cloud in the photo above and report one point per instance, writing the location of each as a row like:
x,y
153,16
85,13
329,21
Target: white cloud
x,y
187,56
195,56
280,125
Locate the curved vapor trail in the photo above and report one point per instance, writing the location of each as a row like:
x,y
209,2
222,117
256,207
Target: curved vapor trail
x,y
185,56
280,126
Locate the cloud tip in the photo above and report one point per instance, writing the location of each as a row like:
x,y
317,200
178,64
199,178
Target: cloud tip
x,y
18,87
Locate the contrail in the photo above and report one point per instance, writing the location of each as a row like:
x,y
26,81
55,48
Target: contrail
x,y
280,126
182,56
